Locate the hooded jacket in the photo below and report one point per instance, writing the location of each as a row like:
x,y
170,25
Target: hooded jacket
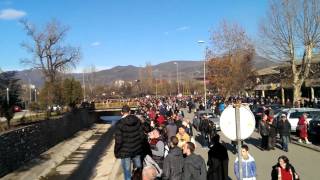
x,y
129,137
173,165
194,168
248,168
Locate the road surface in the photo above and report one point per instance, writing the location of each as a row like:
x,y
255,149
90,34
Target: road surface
x,y
305,161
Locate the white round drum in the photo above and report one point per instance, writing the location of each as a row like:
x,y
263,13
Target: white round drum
x,y
228,123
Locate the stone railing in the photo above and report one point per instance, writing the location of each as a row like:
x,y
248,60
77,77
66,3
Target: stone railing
x,y
21,145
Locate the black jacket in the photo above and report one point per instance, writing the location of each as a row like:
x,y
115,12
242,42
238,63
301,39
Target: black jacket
x,y
173,165
264,128
218,162
129,137
284,128
194,168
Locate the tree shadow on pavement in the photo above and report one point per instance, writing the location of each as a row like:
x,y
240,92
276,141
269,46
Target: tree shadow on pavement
x,y
87,166
84,159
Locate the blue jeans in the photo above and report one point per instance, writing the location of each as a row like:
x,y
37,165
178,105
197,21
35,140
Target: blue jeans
x,y
126,166
285,141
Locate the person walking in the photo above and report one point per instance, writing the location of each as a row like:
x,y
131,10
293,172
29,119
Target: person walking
x,y
303,128
182,136
204,129
264,132
248,165
157,147
284,128
272,132
173,163
283,170
194,167
218,161
149,173
171,129
129,138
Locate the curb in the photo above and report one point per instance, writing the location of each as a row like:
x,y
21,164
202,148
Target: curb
x,y
43,165
305,145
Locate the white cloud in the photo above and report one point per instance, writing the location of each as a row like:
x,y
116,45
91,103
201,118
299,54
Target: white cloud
x,y
166,33
9,14
97,43
183,28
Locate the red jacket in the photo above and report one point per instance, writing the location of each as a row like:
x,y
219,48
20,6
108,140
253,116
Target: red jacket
x,y
161,120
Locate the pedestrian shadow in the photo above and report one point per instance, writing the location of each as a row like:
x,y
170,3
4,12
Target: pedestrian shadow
x,y
254,141
230,147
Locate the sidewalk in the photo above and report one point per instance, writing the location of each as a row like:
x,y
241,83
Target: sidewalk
x,y
94,159
294,140
89,155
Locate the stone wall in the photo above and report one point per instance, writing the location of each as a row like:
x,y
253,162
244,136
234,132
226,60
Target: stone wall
x,y
22,145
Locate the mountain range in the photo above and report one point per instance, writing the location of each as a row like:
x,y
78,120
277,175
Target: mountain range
x,y
166,70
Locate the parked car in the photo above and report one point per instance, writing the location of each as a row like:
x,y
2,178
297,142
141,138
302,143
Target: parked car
x,y
314,128
212,117
293,115
54,108
17,109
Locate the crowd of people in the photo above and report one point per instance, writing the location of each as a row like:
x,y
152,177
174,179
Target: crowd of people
x,y
159,142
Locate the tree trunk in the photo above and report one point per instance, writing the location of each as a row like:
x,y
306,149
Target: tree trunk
x,y
297,83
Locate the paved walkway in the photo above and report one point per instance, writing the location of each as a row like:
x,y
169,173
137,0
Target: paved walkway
x,y
305,160
94,159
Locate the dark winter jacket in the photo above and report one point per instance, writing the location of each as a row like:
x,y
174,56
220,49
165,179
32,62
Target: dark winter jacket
x,y
194,168
173,165
129,137
218,162
264,128
284,128
272,129
204,125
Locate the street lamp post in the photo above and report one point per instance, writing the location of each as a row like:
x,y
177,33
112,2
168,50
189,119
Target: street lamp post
x,y
176,63
204,78
8,96
84,87
35,95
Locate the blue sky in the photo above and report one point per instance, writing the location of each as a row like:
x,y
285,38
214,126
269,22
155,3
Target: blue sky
x,y
123,32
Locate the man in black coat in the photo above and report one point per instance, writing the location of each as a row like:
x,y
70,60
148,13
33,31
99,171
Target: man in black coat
x,y
217,161
129,138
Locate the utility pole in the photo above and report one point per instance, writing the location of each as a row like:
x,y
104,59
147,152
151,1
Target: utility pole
x,y
204,78
8,96
176,63
35,95
237,114
84,87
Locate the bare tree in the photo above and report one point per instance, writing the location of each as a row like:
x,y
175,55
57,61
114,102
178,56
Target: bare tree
x,y
291,33
230,59
49,53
